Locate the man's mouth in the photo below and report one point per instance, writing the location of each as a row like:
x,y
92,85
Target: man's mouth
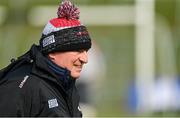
x,y
79,67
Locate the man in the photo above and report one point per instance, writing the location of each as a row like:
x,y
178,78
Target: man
x,y
42,81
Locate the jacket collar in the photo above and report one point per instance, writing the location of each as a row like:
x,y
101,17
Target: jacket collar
x,y
62,73
46,69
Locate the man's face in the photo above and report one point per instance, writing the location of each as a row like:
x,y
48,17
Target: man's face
x,y
71,60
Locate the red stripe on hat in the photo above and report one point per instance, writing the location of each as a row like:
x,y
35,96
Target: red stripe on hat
x,y
62,22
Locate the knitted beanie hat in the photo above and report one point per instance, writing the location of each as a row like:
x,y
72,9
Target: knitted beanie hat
x,y
65,33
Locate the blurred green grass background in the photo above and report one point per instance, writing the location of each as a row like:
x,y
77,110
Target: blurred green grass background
x,y
116,42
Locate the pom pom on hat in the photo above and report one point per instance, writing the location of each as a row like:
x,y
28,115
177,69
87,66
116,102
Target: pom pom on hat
x,y
65,33
68,10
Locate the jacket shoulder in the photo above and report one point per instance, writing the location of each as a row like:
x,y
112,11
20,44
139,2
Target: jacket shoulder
x,y
20,96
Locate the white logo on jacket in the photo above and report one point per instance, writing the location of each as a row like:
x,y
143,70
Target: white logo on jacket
x,y
53,103
23,81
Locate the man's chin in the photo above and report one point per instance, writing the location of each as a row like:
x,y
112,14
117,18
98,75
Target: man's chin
x,y
75,76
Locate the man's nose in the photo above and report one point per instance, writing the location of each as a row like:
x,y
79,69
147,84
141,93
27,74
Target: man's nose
x,y
84,56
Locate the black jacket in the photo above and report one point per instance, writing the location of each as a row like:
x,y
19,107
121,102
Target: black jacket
x,y
28,87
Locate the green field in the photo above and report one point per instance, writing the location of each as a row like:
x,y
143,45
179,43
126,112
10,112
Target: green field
x,y
117,44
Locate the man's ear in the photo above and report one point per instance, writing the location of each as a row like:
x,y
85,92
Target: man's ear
x,y
51,56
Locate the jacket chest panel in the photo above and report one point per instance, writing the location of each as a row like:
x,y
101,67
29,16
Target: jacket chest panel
x,y
57,101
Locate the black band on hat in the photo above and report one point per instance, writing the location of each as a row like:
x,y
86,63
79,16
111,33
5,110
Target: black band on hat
x,y
70,39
